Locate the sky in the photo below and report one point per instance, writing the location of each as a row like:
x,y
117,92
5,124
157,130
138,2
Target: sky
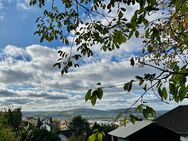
x,y
28,79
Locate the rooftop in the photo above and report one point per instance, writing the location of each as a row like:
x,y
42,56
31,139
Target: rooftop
x,y
175,120
129,129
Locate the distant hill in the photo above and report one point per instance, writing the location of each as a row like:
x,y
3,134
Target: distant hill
x,y
87,113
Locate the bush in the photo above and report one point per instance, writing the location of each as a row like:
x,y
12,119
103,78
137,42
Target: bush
x,y
77,138
6,134
43,135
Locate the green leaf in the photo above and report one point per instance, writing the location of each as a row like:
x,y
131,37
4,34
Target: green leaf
x,y
120,15
118,37
93,99
99,83
88,95
183,8
153,2
137,34
139,108
149,76
145,113
173,88
164,93
57,64
81,1
132,61
149,112
131,34
95,130
147,33
118,116
150,48
100,136
139,77
182,92
133,118
41,39
172,2
92,137
125,121
128,86
141,82
123,9
145,87
100,93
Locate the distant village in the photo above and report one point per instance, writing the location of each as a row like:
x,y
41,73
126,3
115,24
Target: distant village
x,y
63,128
171,126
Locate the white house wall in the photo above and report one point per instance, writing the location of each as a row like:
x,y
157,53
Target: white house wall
x,y
183,138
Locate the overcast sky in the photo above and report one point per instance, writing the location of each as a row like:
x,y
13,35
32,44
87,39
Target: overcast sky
x,y
28,79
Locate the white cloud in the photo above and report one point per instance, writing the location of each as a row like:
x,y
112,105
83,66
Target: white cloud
x,y
19,4
38,84
10,50
2,18
1,5
23,5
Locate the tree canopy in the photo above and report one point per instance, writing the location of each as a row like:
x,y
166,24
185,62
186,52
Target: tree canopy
x,y
79,126
164,47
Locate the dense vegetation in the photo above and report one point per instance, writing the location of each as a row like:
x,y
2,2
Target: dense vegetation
x,y
7,132
82,131
12,128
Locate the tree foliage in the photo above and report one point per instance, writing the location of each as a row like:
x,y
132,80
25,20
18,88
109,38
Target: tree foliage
x,y
7,134
100,132
165,40
15,118
77,138
96,136
12,128
9,125
79,126
42,135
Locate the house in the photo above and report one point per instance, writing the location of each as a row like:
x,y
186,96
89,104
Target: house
x,y
176,120
46,126
143,131
172,126
121,133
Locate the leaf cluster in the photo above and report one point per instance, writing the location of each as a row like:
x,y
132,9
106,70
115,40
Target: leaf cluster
x,y
94,95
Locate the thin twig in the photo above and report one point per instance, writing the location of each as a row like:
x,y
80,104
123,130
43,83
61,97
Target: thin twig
x,y
89,11
127,110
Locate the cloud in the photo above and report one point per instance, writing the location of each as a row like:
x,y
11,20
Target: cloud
x,y
35,83
15,76
16,101
1,17
1,4
24,5
55,97
37,95
19,4
5,93
49,96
